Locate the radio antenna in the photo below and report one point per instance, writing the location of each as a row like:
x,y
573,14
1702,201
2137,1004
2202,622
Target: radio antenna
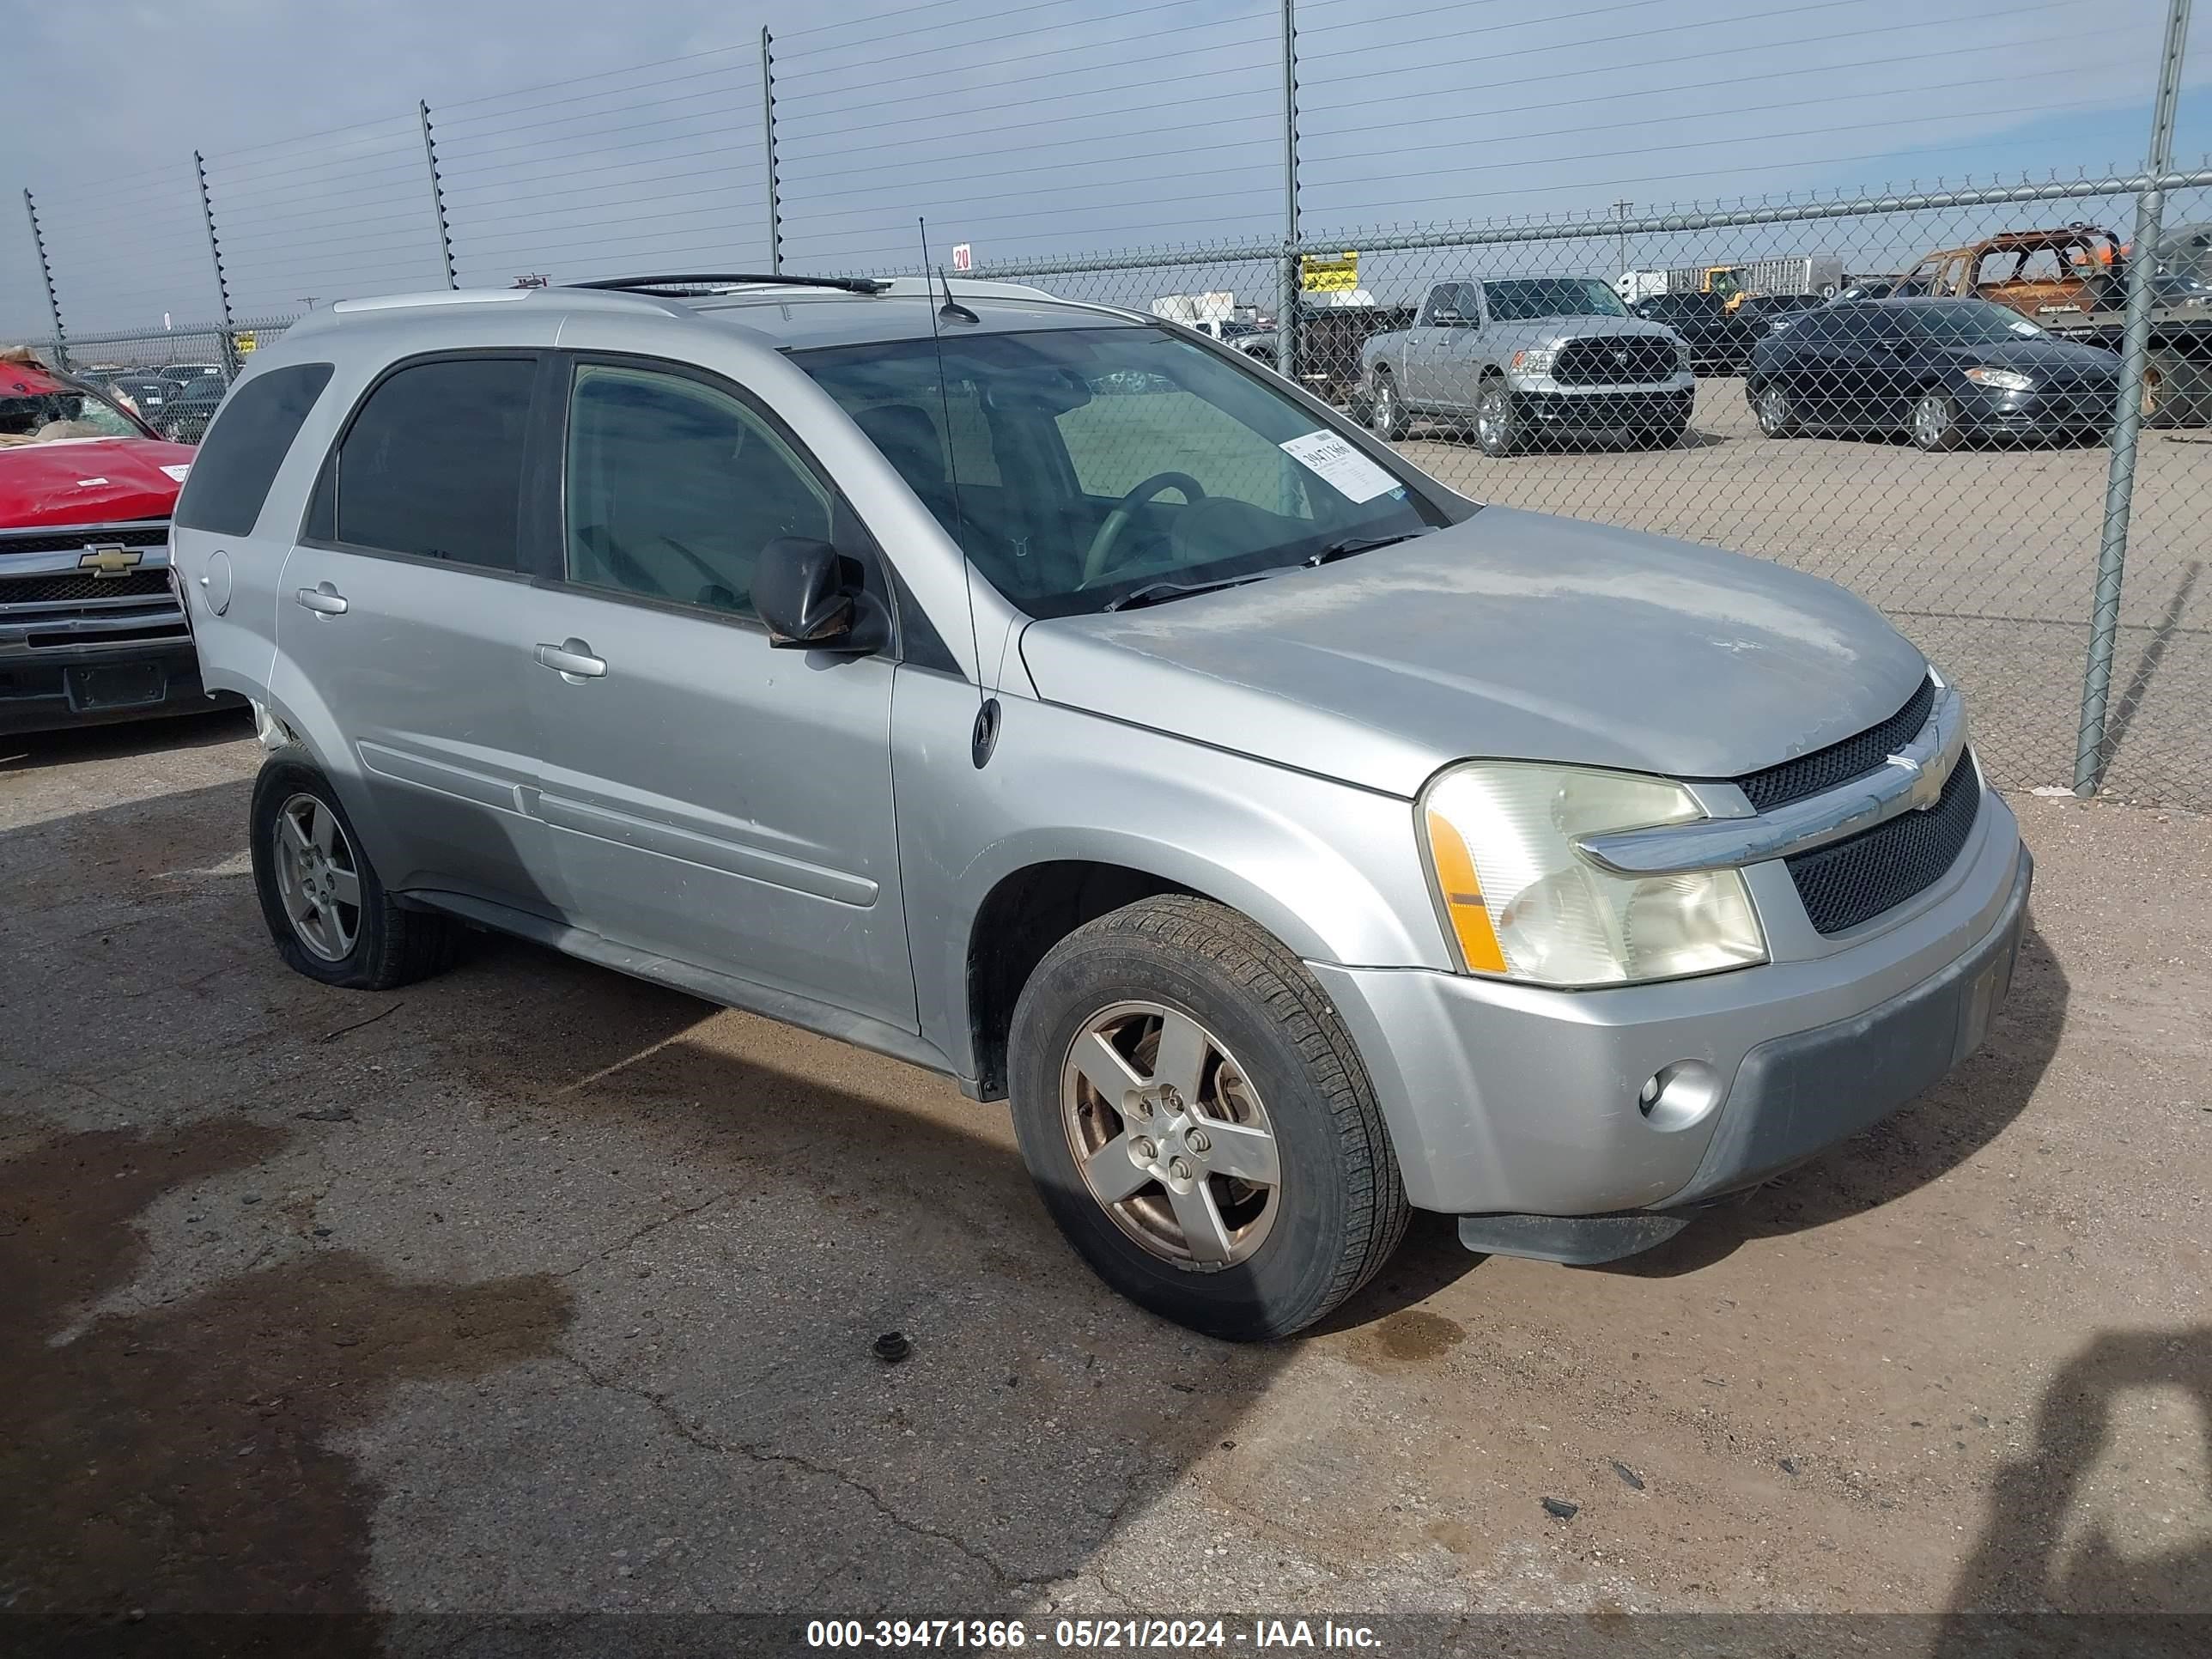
x,y
985,736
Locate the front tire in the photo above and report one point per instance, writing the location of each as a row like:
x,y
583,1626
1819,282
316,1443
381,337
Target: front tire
x,y
1935,423
330,915
1496,419
1199,1123
1776,414
1386,414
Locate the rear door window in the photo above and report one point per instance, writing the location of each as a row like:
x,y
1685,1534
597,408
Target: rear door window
x,y
235,467
432,463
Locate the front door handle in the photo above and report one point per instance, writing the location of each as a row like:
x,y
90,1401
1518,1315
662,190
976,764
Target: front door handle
x,y
322,599
572,659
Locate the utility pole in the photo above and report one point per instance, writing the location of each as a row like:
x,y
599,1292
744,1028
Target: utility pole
x,y
1621,213
2127,423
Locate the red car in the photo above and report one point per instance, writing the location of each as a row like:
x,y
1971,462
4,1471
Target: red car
x,y
90,628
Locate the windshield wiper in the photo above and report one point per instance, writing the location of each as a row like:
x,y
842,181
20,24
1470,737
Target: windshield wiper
x,y
1354,545
1160,592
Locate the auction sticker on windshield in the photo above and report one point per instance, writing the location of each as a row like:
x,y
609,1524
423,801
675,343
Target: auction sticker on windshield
x,y
1350,473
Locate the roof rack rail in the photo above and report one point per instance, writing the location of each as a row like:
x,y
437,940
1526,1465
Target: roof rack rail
x,y
725,279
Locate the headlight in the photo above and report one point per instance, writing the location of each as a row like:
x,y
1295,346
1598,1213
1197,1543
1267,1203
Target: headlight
x,y
1536,361
2001,379
1522,902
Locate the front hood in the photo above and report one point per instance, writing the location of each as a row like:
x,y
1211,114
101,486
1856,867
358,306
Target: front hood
x,y
1512,635
1582,325
89,480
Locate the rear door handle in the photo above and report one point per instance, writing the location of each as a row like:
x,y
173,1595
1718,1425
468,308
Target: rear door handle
x,y
572,659
322,599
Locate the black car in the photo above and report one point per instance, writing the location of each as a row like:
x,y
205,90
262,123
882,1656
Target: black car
x,y
1716,340
1769,313
1881,288
149,393
183,417
1940,371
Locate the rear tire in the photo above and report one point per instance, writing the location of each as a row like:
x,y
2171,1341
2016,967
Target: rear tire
x,y
1159,982
328,912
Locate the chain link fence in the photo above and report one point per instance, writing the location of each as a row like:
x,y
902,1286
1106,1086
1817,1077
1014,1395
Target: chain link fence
x,y
1911,396
1953,452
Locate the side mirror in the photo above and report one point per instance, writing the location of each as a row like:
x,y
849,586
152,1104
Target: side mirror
x,y
800,590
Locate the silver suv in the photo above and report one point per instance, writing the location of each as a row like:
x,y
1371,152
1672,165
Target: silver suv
x,y
1046,695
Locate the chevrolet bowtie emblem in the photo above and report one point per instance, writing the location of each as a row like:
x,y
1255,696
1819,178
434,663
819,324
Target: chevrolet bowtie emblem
x,y
105,561
1928,780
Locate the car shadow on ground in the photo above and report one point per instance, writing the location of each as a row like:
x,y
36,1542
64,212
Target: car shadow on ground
x,y
1940,1130
21,751
547,1257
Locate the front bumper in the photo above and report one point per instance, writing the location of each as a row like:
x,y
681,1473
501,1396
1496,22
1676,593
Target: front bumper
x,y
2039,413
1543,404
85,685
1508,1099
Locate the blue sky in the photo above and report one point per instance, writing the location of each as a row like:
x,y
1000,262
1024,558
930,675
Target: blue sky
x,y
1029,128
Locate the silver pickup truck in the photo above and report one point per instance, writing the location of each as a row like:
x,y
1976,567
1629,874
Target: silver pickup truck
x,y
1529,361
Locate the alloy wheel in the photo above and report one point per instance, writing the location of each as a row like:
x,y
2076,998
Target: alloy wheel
x,y
1931,421
317,877
1491,419
1170,1135
1386,408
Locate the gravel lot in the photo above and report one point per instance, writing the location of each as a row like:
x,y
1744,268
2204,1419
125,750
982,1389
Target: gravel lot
x,y
534,1291
1986,557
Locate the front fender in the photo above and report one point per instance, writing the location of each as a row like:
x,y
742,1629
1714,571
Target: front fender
x,y
1332,871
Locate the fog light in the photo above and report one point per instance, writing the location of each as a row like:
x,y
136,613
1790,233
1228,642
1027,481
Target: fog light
x,y
1678,1095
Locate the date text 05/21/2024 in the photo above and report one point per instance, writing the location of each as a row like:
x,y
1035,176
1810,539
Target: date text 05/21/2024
x,y
1089,1635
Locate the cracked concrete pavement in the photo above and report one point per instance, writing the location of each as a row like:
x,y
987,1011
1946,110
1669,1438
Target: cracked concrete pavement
x,y
533,1290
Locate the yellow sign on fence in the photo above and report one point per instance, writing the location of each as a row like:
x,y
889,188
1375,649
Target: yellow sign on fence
x,y
1318,274
246,343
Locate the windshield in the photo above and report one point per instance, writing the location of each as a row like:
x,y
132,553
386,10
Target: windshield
x,y
1093,463
1523,299
38,407
1963,322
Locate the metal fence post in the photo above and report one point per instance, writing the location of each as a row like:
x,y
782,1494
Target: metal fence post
x,y
1287,285
2127,424
222,281
47,275
768,125
437,193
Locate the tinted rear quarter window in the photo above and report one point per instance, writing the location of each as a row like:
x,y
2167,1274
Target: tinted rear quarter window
x,y
235,467
432,464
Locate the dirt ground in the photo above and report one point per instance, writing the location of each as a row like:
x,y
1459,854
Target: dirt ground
x,y
534,1292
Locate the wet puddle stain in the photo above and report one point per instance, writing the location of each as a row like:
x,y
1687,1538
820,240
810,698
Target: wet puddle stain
x,y
176,1461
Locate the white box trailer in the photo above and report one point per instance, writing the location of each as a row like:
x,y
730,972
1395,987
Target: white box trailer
x,y
1217,307
1795,273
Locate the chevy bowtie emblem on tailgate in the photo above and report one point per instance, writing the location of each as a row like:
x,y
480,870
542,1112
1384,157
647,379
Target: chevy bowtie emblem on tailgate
x,y
106,561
